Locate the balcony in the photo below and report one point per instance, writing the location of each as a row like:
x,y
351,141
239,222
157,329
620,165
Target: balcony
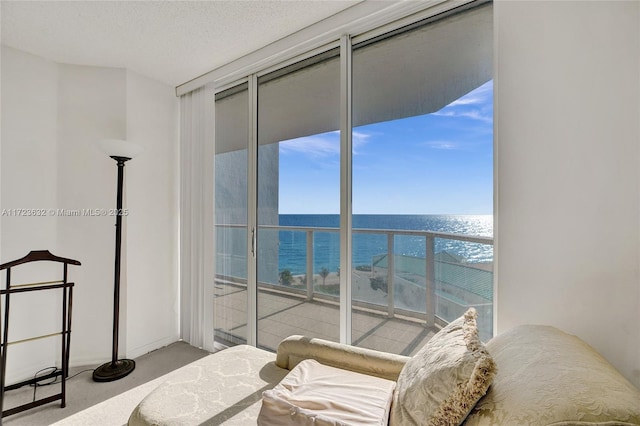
x,y
400,298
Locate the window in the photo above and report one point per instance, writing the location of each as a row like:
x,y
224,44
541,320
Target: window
x,y
298,140
422,168
421,207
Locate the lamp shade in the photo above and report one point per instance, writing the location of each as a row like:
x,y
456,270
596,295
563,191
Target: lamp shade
x,y
120,148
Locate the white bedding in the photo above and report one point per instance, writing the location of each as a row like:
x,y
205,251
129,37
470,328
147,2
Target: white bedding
x,y
320,395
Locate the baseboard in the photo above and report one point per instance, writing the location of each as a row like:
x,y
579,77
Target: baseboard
x,y
25,373
134,353
89,361
149,347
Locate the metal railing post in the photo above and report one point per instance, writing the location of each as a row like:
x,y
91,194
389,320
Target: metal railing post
x,y
390,275
309,265
430,276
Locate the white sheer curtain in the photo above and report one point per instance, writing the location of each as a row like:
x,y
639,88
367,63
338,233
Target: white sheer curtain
x,y
196,217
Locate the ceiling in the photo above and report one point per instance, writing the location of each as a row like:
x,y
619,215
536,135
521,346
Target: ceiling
x,y
170,41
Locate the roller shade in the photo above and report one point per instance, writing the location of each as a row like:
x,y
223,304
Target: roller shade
x,y
413,71
422,70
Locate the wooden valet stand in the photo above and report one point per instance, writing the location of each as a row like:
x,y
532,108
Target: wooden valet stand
x,y
65,334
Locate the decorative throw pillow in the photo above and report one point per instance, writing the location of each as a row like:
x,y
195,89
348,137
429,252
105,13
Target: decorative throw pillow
x,y
314,394
441,383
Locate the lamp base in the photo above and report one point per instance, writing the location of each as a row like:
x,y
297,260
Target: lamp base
x,y
109,372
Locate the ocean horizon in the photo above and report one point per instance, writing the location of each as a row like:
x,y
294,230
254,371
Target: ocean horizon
x,y
368,246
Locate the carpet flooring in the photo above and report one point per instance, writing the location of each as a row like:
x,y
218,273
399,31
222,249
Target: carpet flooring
x,y
110,402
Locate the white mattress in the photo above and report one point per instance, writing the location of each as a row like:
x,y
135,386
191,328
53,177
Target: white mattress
x,y
222,388
313,394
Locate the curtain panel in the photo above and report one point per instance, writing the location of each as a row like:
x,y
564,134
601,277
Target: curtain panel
x,y
196,216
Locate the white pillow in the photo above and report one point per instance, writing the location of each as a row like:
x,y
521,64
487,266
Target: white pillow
x,y
320,395
445,379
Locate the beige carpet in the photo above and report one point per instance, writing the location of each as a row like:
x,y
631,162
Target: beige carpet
x,y
90,403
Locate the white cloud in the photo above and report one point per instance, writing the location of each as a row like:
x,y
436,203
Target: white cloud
x,y
322,145
465,100
446,145
318,146
476,105
358,140
480,96
474,114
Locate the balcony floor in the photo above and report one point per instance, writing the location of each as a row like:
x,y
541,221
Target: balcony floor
x,y
282,314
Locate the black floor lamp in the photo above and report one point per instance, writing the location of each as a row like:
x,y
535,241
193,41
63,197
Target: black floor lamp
x,y
121,151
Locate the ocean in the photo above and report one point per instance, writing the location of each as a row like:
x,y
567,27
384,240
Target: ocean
x,y
369,245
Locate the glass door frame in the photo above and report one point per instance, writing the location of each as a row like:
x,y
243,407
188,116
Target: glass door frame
x,y
252,214
345,194
346,153
345,43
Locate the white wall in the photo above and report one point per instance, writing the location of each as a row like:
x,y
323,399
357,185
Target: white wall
x,y
567,93
28,177
52,116
154,221
29,126
91,106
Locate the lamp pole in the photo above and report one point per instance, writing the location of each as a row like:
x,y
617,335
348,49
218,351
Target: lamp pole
x,y
116,369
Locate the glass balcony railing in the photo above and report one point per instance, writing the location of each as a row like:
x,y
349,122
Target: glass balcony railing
x,y
423,276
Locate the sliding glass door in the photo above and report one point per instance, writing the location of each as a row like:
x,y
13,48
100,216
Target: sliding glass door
x,y
422,180
299,201
231,218
354,189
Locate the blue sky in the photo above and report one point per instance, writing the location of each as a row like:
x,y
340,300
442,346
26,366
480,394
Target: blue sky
x,y
440,163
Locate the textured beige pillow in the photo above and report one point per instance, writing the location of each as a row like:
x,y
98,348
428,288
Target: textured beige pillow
x,y
441,383
549,377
